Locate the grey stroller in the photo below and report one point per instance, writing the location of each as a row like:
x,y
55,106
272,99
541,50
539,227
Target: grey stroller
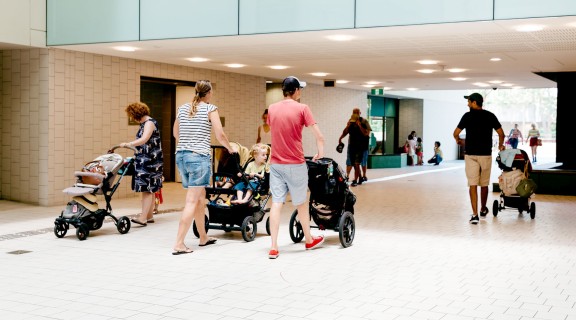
x,y
102,176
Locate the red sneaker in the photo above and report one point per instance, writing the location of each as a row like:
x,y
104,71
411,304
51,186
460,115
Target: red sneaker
x,y
273,254
316,242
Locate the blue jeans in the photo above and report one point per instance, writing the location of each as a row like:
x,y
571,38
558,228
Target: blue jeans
x,y
195,168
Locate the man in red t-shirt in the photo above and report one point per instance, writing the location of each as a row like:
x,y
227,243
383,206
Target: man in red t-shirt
x,y
288,170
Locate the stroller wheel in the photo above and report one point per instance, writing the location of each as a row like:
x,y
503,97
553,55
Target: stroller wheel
x,y
347,229
532,210
296,233
123,225
82,231
495,208
268,226
60,229
206,226
249,228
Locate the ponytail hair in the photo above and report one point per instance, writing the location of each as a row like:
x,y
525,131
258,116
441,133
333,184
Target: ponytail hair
x,y
202,88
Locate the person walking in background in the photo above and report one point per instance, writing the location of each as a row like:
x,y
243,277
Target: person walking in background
x,y
514,135
438,155
354,151
479,124
534,137
264,130
366,131
192,129
288,169
148,162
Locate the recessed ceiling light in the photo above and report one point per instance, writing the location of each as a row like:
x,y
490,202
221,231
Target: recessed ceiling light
x,y
507,84
197,59
427,62
269,81
278,67
319,74
125,48
495,81
495,59
459,79
368,85
340,37
387,88
235,65
456,70
517,87
529,28
481,84
342,81
426,71
411,89
372,82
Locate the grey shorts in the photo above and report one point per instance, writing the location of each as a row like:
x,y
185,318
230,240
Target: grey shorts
x,y
291,178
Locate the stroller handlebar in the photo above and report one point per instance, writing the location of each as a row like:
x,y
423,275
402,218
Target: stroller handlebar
x,y
118,146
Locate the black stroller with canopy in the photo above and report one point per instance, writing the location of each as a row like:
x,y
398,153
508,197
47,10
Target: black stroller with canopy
x,y
331,202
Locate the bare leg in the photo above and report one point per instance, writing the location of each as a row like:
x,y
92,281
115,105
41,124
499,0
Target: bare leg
x,y
364,168
356,173
275,210
483,196
194,197
348,169
238,197
474,199
147,206
247,196
304,217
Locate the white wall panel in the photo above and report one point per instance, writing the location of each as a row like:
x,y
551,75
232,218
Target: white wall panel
x,y
15,22
169,19
88,21
269,16
512,9
378,13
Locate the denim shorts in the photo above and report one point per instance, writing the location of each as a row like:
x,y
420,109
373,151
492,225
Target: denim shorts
x,y
195,168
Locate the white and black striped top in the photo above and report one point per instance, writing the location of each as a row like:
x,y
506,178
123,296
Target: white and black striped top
x,y
195,131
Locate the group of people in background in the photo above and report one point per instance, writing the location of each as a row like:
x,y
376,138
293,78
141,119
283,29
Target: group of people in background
x,y
414,147
533,139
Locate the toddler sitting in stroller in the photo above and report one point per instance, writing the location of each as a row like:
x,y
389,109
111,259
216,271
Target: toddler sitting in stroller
x,y
254,173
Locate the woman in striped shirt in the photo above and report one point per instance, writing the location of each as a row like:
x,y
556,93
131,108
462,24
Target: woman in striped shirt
x,y
192,129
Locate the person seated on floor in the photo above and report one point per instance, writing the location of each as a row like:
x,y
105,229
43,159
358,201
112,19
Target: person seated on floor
x,y
437,158
254,172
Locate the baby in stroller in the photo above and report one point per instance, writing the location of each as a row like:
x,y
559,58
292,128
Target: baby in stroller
x,y
254,172
100,176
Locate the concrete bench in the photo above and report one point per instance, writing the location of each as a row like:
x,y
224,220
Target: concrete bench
x,y
387,161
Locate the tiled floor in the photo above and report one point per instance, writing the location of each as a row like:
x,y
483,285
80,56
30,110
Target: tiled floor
x,y
414,257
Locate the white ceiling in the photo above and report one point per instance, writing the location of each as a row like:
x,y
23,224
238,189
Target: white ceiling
x,y
386,55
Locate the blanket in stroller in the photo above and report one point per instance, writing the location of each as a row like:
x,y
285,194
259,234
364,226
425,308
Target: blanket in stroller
x,y
509,181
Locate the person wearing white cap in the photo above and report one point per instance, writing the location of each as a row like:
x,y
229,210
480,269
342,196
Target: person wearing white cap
x,y
288,170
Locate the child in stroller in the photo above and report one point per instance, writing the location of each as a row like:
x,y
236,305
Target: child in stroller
x,y
331,202
515,186
223,213
254,171
97,177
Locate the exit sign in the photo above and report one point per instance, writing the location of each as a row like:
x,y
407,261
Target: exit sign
x,y
379,91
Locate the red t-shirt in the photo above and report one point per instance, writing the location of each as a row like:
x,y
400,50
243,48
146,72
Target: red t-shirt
x,y
287,118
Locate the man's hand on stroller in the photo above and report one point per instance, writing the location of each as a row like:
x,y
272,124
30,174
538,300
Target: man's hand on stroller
x,y
317,156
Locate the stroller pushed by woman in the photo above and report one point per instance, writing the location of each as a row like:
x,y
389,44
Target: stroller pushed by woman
x,y
331,202
516,188
223,212
100,176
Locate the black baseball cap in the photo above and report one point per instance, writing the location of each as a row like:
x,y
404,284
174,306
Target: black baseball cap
x,y
292,83
475,97
340,147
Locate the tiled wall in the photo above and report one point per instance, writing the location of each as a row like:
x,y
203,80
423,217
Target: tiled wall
x,y
60,109
411,118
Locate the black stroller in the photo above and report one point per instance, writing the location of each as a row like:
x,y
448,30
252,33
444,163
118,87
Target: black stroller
x,y
331,202
224,215
515,187
100,176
